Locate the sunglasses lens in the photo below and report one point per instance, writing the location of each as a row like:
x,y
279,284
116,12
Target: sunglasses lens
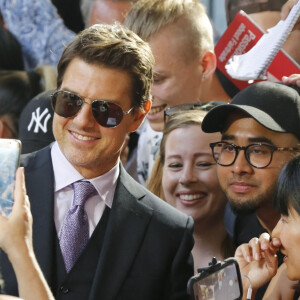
x,y
66,104
107,114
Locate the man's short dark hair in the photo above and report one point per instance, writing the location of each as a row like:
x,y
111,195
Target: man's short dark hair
x,y
116,47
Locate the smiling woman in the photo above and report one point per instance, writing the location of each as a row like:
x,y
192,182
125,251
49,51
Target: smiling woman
x,y
185,176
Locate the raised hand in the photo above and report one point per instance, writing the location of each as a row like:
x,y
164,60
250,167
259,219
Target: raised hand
x,y
286,8
258,261
292,79
16,229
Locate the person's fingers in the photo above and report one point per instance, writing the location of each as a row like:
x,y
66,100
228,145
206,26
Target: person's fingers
x,y
295,79
20,190
264,241
246,252
256,249
24,199
3,217
276,243
268,244
284,79
292,79
286,8
294,76
271,261
28,211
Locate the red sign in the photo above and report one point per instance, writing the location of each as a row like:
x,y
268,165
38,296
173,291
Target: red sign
x,y
241,35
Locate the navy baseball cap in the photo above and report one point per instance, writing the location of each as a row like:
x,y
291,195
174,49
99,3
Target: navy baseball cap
x,y
35,123
274,105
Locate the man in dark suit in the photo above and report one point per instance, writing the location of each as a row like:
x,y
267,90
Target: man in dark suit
x,y
119,241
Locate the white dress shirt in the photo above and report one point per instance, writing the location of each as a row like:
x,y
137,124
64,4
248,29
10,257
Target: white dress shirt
x,y
65,174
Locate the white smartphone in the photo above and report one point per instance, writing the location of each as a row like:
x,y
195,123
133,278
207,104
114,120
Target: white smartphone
x,y
10,150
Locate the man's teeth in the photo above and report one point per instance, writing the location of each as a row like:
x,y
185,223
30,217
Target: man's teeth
x,y
189,197
83,137
156,110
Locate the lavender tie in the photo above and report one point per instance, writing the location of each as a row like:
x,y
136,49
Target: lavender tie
x,y
74,233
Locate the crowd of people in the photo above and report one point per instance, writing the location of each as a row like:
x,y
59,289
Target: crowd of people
x,y
140,162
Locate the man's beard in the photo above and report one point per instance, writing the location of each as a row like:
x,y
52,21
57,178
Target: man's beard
x,y
244,208
248,206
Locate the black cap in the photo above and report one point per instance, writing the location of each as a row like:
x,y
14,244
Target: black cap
x,y
35,123
274,105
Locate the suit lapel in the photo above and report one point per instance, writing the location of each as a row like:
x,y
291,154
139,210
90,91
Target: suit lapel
x,y
39,184
126,228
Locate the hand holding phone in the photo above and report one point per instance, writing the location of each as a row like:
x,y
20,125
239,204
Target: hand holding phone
x,y
10,150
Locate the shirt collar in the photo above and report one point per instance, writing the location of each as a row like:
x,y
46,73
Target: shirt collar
x,y
65,174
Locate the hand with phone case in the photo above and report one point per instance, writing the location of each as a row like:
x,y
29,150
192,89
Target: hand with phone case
x,y
16,241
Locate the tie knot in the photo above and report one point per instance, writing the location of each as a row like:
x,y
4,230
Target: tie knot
x,y
82,191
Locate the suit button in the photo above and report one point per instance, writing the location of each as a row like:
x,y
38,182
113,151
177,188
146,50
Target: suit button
x,y
64,290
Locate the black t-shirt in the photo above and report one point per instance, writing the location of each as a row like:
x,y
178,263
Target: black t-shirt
x,y
246,227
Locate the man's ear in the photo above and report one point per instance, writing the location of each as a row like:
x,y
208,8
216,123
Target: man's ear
x,y
209,64
139,116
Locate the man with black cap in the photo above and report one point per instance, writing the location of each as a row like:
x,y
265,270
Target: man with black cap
x,y
260,133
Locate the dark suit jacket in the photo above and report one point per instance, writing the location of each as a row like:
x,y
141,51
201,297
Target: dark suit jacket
x,y
146,252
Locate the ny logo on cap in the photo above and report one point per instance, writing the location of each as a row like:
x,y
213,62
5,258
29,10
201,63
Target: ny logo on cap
x,y
37,118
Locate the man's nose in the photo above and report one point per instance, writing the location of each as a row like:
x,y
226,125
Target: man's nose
x,y
85,116
241,165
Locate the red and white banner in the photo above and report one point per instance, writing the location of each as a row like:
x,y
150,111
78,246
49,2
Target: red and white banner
x,y
241,35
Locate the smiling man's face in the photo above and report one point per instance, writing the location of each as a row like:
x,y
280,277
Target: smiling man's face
x,y
248,188
91,148
177,77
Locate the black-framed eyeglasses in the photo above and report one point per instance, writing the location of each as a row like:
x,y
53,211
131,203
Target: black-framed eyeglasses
x,y
207,106
67,105
257,155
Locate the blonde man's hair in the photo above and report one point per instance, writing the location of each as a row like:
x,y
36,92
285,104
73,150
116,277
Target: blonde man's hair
x,y
147,17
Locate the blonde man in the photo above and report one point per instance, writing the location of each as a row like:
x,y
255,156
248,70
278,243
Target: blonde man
x,y
181,38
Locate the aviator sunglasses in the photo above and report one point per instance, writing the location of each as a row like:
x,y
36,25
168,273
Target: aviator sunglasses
x,y
67,105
